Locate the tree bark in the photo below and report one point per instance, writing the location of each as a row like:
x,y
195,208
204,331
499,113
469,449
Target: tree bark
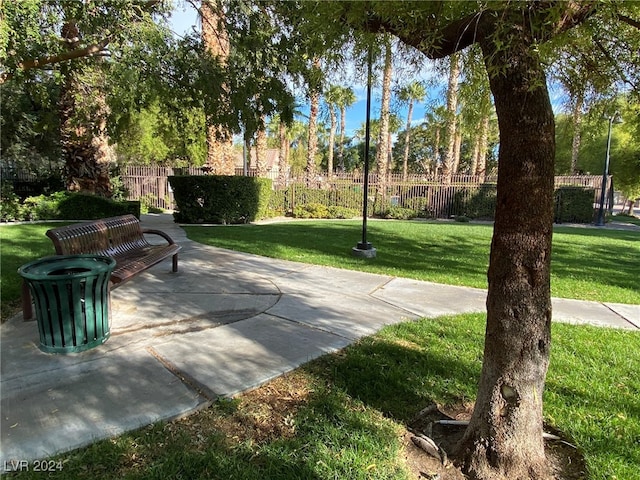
x,y
481,163
343,119
382,146
312,142
83,126
577,131
261,153
220,157
504,438
456,151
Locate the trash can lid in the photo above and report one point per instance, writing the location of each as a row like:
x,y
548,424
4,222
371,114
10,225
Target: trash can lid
x,y
65,266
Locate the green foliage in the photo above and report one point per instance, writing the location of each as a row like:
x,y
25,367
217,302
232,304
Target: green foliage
x,y
318,210
625,144
9,204
74,206
398,213
277,203
476,203
336,211
90,207
574,204
154,137
30,125
43,207
311,210
147,203
220,198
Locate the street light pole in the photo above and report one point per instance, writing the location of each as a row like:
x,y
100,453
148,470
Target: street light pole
x,y
365,249
603,190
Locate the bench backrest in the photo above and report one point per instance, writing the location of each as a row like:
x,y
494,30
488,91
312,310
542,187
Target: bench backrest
x,y
108,236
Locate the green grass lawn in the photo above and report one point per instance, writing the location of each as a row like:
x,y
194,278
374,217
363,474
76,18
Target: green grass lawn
x,y
20,244
587,264
341,416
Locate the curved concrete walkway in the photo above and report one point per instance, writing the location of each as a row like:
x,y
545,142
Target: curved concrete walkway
x,y
225,323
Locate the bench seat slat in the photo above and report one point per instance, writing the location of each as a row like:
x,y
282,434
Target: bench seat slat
x,y
130,264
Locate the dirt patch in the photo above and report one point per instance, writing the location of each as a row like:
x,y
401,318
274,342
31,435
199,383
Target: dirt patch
x,y
566,459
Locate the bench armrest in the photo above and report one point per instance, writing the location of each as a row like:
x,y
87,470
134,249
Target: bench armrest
x,y
159,232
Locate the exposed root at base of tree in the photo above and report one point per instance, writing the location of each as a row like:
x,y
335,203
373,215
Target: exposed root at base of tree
x,y
566,460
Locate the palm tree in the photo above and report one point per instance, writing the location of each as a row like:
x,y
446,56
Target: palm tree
x,y
315,88
331,97
382,151
346,97
413,92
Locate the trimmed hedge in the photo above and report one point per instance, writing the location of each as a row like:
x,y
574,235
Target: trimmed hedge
x,y
574,204
220,198
79,206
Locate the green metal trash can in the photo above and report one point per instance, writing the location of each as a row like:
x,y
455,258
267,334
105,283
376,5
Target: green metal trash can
x,y
71,296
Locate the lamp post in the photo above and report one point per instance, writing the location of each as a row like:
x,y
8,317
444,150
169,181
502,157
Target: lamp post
x,y
364,249
603,190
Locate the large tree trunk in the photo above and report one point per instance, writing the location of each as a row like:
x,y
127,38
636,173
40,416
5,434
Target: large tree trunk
x,y
220,156
382,146
504,438
83,125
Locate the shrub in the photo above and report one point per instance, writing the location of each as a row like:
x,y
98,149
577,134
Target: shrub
x,y
10,209
75,206
43,207
311,210
476,202
574,204
220,198
79,206
342,212
398,213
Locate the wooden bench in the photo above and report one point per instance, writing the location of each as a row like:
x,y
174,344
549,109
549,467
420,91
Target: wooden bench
x,y
120,238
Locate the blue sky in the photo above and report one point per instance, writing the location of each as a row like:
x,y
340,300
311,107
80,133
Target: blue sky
x,y
185,18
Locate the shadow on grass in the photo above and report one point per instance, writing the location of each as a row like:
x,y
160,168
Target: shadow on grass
x,y
609,258
411,365
412,249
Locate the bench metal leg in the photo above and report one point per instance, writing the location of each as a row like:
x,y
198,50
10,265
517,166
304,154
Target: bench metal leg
x,y
175,263
27,308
